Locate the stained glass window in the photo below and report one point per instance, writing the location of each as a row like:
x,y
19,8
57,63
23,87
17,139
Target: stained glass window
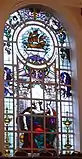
x,y
38,99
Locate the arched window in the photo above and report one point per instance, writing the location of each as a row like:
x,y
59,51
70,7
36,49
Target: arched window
x,y
38,100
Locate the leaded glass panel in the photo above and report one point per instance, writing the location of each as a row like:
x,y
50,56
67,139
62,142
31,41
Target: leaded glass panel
x,y
38,99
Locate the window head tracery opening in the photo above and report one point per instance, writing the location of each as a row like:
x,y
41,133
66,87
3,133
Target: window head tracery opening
x,y
38,100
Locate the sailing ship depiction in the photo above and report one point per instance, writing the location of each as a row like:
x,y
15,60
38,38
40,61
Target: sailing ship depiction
x,y
36,40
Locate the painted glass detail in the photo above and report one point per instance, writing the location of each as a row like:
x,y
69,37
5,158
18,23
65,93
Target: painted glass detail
x,y
38,95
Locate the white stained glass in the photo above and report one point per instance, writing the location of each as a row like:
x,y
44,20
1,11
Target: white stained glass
x,y
41,52
37,82
37,92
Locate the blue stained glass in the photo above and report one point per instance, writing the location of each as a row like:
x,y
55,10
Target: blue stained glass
x,y
65,53
31,14
36,40
38,74
7,77
37,80
62,36
36,59
66,79
39,140
26,14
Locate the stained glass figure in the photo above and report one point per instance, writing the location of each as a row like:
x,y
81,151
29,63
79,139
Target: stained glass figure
x,y
37,82
66,80
7,78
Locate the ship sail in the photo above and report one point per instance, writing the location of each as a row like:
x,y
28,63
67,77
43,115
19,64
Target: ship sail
x,y
35,40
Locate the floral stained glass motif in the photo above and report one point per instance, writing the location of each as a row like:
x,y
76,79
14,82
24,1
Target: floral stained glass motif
x,y
37,82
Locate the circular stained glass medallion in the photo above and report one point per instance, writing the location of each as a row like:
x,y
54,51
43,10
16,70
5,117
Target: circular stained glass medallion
x,y
36,44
